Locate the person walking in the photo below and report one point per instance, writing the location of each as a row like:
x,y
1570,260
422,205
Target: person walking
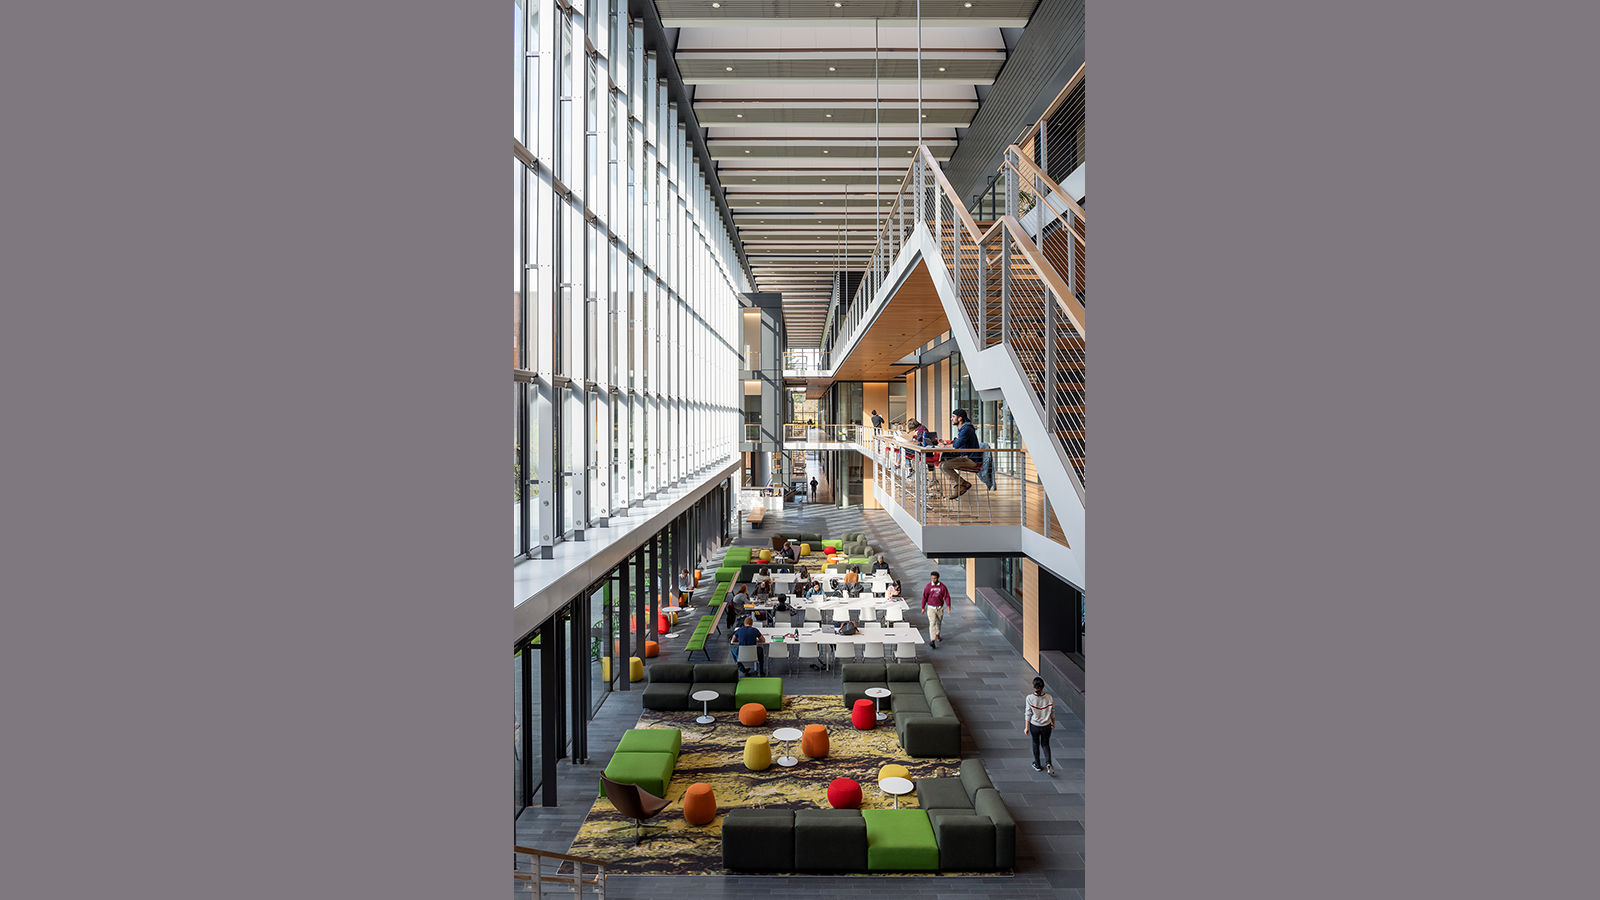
x,y
966,438
877,423
935,596
1038,720
813,490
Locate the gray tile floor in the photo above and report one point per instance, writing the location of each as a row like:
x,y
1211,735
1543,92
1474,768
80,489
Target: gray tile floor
x,y
986,681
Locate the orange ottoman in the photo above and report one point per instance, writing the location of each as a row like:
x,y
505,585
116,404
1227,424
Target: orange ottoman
x,y
814,741
844,793
699,804
752,714
651,648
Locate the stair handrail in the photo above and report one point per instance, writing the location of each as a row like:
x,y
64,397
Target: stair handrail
x,y
577,880
1055,104
1025,166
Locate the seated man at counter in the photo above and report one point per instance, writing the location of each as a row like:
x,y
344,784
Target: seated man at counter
x,y
750,636
880,565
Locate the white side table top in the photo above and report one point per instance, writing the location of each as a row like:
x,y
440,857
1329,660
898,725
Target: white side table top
x,y
787,734
879,692
896,785
706,696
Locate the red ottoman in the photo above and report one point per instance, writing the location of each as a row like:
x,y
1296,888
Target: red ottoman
x,y
864,715
844,793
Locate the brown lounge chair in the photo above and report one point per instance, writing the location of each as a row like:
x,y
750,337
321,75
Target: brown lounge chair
x,y
634,802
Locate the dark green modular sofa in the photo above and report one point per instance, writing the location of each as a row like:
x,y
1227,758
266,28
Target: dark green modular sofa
x,y
924,720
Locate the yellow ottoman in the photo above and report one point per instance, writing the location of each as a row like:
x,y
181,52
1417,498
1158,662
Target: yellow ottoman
x,y
805,549
758,753
894,770
635,669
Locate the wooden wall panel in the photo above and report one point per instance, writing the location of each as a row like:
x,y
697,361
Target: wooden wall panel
x,y
1030,612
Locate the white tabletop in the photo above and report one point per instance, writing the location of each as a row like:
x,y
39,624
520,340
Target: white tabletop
x,y
878,692
787,734
706,696
672,609
894,784
869,635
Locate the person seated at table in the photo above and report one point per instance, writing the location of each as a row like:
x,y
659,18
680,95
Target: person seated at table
x,y
788,551
746,637
880,565
894,588
736,605
853,576
813,590
685,588
763,594
765,575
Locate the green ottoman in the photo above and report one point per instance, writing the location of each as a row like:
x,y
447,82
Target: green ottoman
x,y
650,740
766,691
900,840
651,771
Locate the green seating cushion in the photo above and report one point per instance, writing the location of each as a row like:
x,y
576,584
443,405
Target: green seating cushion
x,y
726,573
651,771
766,691
872,672
697,641
830,840
900,840
651,740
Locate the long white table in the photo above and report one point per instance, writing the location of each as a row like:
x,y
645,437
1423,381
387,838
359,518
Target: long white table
x,y
904,634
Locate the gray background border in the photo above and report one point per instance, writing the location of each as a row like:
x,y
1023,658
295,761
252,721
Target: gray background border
x,y
1344,403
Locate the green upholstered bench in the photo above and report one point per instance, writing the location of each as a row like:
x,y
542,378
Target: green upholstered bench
x,y
726,573
651,740
766,691
900,840
697,644
651,771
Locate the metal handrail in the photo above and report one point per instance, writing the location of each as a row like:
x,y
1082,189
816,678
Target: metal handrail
x,y
533,880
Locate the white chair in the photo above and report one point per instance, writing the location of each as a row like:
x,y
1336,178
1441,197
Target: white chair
x,y
844,651
894,614
905,651
808,650
840,615
781,620
749,655
872,650
778,651
813,614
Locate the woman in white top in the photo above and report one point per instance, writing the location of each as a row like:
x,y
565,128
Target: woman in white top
x,y
1039,719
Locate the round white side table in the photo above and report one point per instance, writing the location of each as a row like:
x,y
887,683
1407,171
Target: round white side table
x,y
705,698
786,735
896,786
877,694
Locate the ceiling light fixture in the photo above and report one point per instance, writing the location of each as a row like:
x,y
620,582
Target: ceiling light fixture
x,y
832,69
730,69
738,115
719,5
941,68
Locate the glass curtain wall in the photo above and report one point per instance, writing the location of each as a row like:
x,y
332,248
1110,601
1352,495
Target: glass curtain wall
x,y
625,273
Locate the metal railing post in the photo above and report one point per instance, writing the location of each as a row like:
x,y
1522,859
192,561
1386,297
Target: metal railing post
x,y
1011,191
1005,286
1049,373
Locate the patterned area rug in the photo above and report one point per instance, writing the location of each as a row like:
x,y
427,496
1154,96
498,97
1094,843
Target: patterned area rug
x,y
714,754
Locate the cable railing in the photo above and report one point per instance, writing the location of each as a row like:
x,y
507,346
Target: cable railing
x,y
1003,489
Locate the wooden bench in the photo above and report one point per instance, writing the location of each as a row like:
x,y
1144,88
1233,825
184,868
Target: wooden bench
x,y
756,515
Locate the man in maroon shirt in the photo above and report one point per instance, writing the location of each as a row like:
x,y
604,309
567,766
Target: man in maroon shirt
x,y
936,596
